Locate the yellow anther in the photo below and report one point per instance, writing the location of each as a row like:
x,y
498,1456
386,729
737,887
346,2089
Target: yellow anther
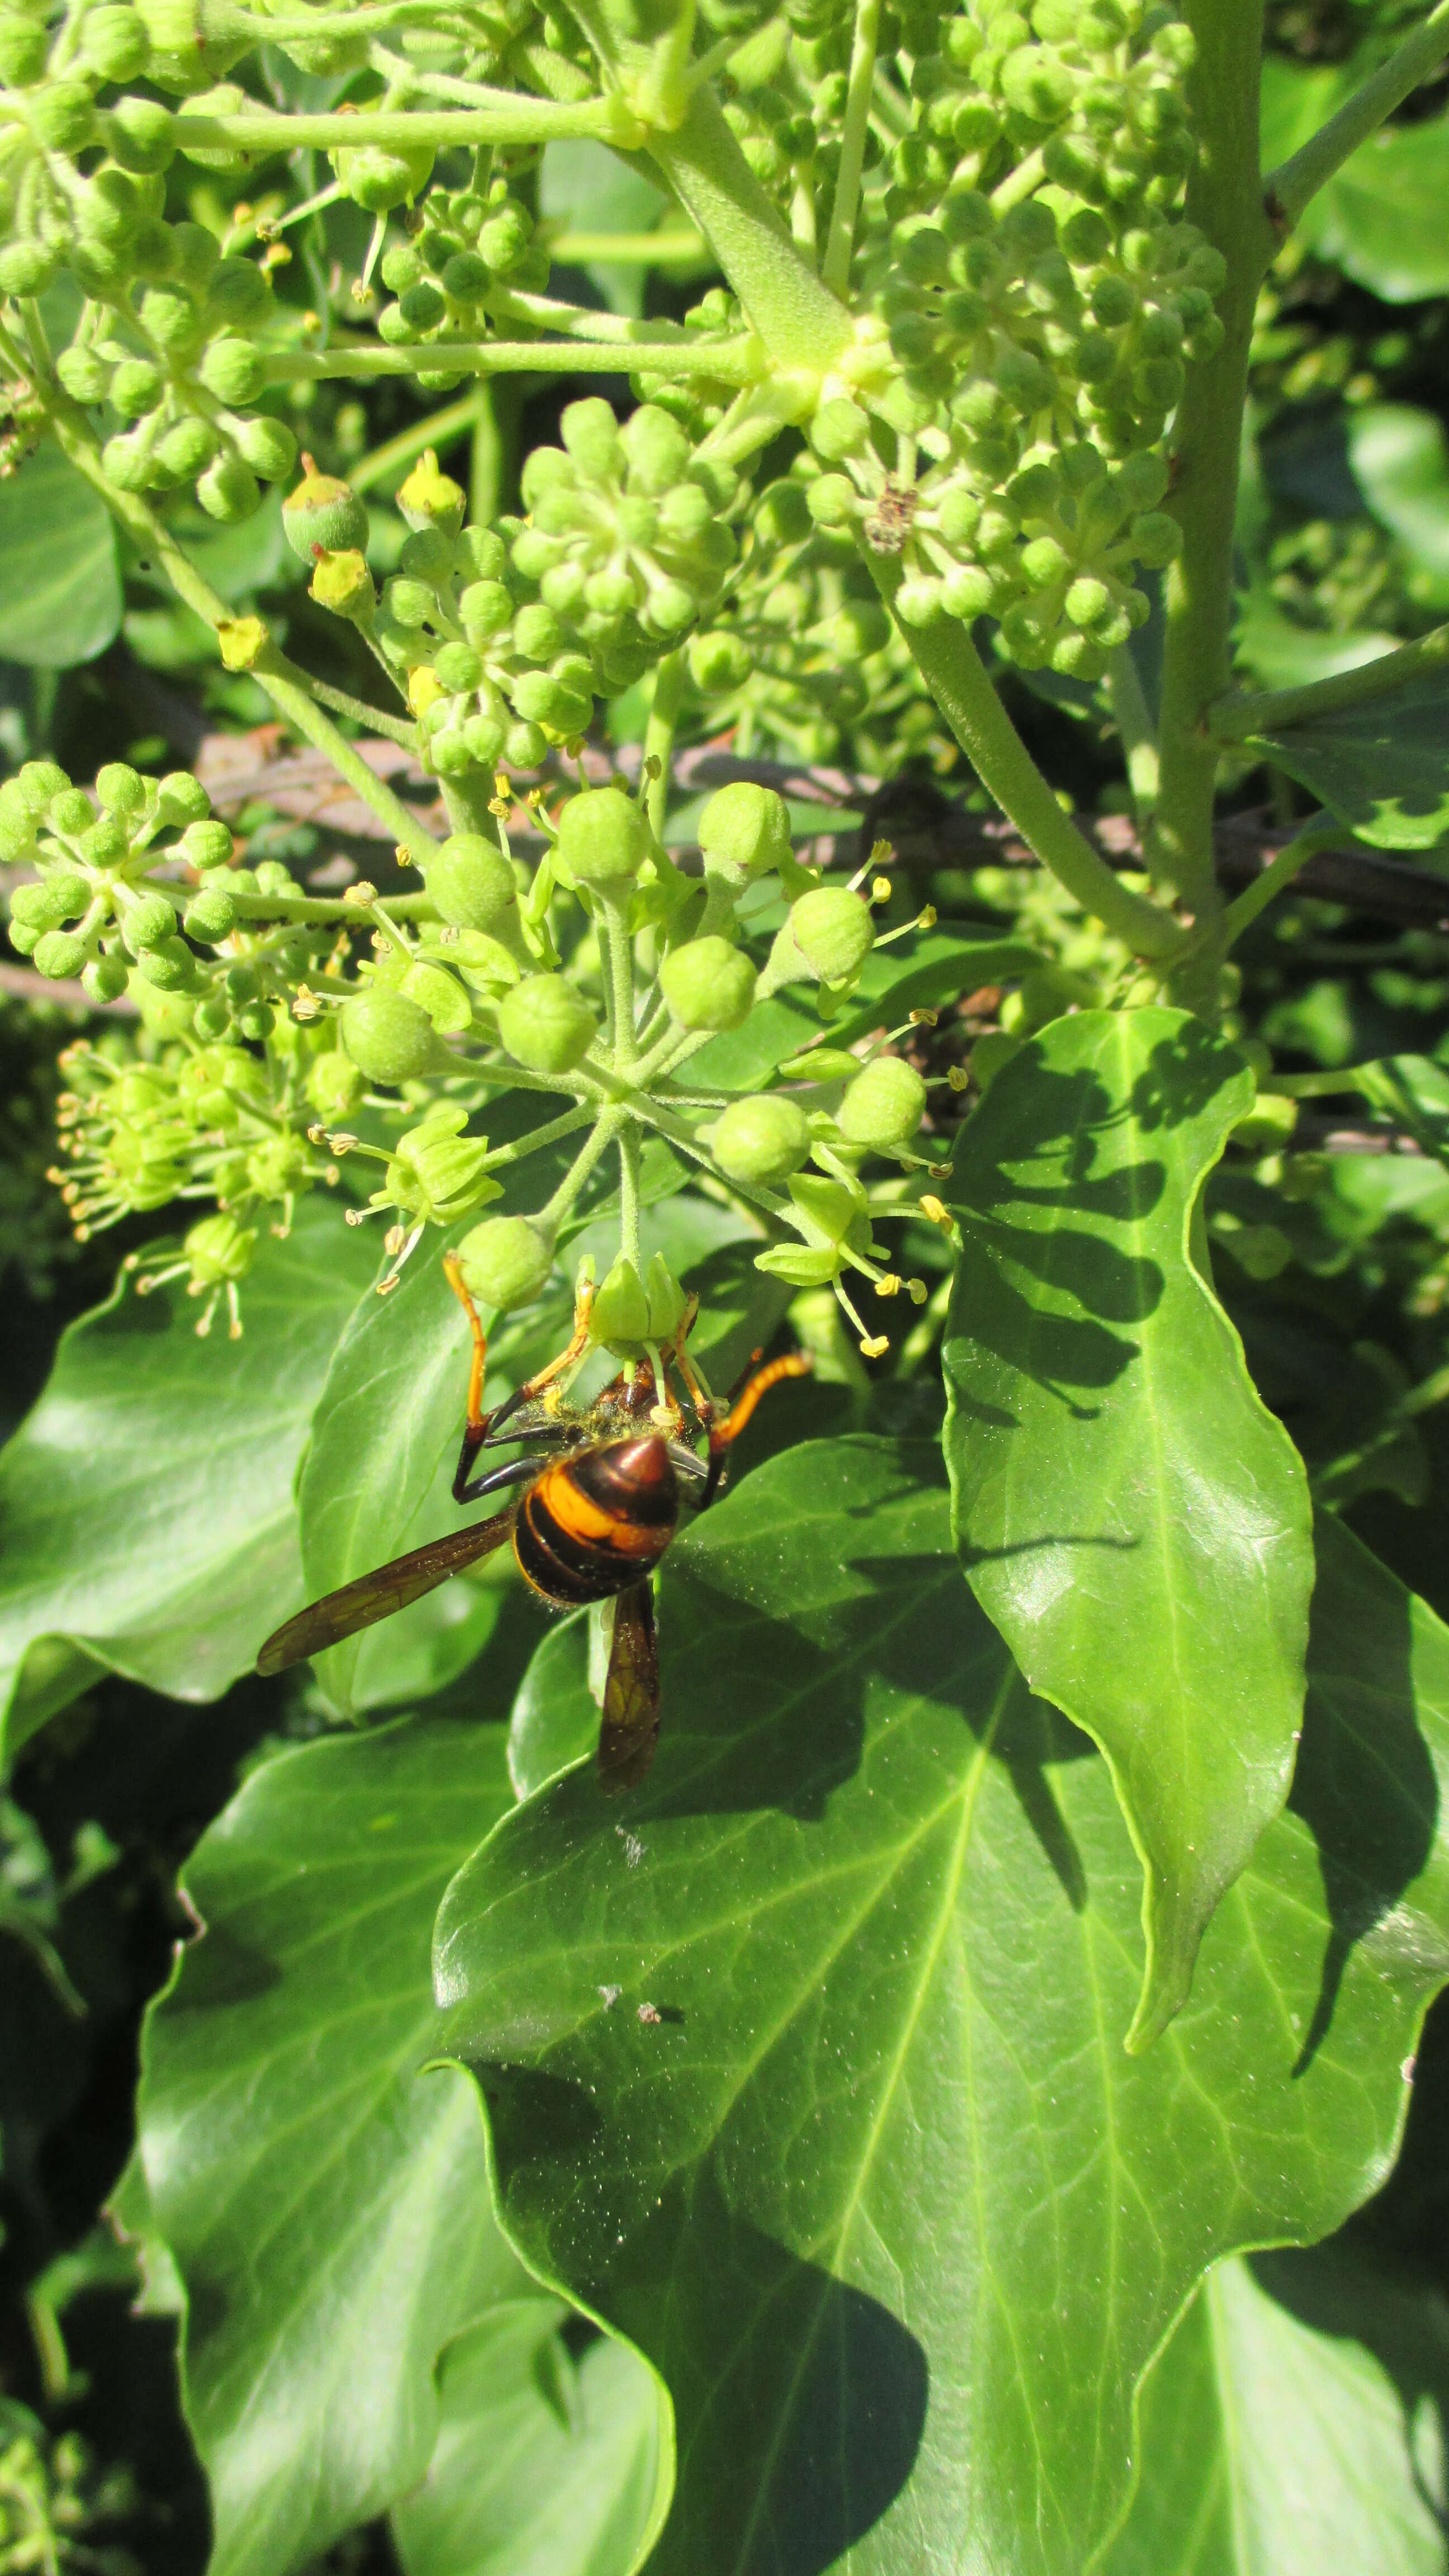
x,y
917,1291
888,1286
933,1209
939,1171
362,892
404,856
958,1077
873,1344
926,917
880,889
924,1019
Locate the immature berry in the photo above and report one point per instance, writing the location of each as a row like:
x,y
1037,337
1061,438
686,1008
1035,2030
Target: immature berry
x,y
708,984
883,1106
471,882
505,1262
762,1140
744,832
603,840
833,933
388,1037
546,1024
322,512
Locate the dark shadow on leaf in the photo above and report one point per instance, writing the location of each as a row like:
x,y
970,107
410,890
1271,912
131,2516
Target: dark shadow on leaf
x,y
1183,1074
222,1970
800,2402
1364,1784
1405,2325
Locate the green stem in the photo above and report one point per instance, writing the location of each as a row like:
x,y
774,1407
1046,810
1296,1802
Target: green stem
x,y
538,1137
289,689
1134,724
734,362
835,267
307,907
802,324
509,118
397,728
616,951
606,1128
1279,872
959,683
629,1196
664,705
1240,718
1224,199
1289,187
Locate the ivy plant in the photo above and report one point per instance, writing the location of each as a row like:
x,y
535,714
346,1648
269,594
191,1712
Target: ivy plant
x,y
843,2146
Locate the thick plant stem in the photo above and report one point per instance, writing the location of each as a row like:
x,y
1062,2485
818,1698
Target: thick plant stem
x,y
290,690
512,119
606,1128
1240,718
803,326
616,950
735,362
1225,200
835,267
960,684
1289,188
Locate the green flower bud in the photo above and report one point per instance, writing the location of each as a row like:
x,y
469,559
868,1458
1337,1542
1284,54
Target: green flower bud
x,y
718,662
620,1316
657,450
708,984
238,294
140,135
761,1141
59,896
744,832
219,1249
833,501
212,1016
381,179
430,499
104,979
505,1262
207,843
114,44
22,938
234,371
546,1024
543,700
1156,540
267,446
275,1167
59,953
63,117
228,490
150,922
524,746
833,932
884,1105
334,1084
24,46
323,511
590,434
210,915
603,840
186,449
486,608
182,799
442,997
667,1300
803,1266
85,376
388,1037
471,882
257,1021
169,964
458,666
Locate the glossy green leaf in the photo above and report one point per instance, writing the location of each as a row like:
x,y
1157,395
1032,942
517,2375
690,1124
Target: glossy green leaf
x,y
1128,1511
914,974
543,2466
60,586
1414,1091
1400,461
1294,2424
1382,768
146,1509
324,2201
804,2060
1379,217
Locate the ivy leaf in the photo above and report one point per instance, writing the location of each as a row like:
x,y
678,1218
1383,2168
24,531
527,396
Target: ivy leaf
x,y
1380,768
1414,1090
1129,1513
803,2062
60,586
1378,217
1278,2434
324,2202
146,1509
914,974
541,2463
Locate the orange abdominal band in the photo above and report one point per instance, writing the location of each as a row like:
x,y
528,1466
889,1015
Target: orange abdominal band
x,y
588,1523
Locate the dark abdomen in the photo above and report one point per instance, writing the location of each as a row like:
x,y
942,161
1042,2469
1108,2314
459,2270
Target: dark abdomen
x,y
591,1525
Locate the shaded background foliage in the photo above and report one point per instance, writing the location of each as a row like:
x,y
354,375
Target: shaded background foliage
x,y
1341,1297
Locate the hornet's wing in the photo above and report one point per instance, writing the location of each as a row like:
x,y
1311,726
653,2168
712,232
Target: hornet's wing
x,y
376,1596
630,1730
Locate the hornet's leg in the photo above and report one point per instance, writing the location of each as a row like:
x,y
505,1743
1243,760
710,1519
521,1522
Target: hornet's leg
x,y
481,1426
725,1431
